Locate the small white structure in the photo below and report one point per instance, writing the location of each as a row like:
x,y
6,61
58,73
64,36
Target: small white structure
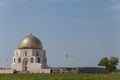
x,y
30,56
6,71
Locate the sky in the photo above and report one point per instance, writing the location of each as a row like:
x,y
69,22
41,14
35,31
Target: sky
x,y
85,30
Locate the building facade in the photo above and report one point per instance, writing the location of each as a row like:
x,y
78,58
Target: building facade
x,y
30,56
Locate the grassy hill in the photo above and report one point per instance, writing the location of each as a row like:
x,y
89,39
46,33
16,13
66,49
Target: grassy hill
x,y
64,76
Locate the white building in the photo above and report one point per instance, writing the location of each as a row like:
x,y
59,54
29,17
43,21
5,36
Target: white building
x,y
30,56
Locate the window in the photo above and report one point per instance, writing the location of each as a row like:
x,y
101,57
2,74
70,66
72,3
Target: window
x,y
25,53
45,60
14,60
26,62
33,54
17,53
37,54
19,60
32,60
38,60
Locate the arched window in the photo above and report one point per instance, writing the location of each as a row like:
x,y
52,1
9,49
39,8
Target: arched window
x,y
19,60
16,53
37,54
25,53
14,60
32,60
38,60
26,62
45,60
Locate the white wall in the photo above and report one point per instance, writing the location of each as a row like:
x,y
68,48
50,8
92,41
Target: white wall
x,y
4,71
41,71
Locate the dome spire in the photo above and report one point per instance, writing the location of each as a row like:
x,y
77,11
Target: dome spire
x,y
30,34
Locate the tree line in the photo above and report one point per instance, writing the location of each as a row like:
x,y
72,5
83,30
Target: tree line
x,y
108,65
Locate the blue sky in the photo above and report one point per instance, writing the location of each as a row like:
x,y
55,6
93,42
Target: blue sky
x,y
86,30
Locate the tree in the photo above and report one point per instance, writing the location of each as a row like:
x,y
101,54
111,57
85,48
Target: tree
x,y
110,64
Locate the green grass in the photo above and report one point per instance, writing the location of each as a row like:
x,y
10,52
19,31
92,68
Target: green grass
x,y
69,76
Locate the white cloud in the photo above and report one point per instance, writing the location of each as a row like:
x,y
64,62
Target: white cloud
x,y
117,17
115,7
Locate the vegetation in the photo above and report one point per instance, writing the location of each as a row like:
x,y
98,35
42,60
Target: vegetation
x,y
63,76
86,70
92,70
109,64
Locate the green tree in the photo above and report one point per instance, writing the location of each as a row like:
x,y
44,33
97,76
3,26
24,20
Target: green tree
x,y
109,64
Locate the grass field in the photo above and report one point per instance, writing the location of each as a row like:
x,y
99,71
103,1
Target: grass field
x,y
69,76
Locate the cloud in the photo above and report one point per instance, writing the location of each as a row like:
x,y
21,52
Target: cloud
x,y
115,7
116,17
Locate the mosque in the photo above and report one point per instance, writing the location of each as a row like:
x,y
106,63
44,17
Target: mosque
x,y
29,57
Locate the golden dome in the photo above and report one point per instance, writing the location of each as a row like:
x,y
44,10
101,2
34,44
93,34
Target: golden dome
x,y
30,42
